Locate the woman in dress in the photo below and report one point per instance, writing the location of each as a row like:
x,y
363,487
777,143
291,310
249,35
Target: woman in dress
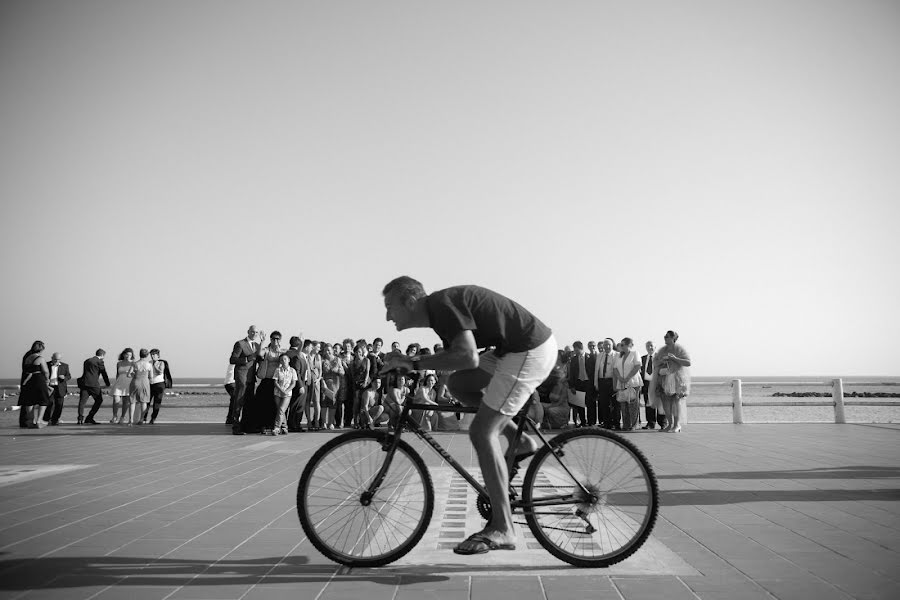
x,y
332,376
359,371
425,394
314,393
285,380
347,386
140,387
671,382
260,418
121,388
34,388
627,382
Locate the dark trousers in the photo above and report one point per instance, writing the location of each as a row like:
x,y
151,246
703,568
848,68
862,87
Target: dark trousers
x,y
649,412
295,408
91,392
606,403
54,409
244,383
157,391
590,401
578,417
229,389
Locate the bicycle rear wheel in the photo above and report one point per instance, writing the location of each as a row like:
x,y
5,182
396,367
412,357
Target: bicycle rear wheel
x,y
336,520
609,521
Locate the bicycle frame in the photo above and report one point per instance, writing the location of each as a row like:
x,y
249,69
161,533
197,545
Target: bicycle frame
x,y
523,420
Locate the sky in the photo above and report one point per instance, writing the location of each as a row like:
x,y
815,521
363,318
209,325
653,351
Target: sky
x,y
172,172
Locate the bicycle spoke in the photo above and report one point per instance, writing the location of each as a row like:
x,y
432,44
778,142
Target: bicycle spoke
x,y
332,509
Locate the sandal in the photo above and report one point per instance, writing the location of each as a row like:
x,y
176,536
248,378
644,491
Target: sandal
x,y
485,544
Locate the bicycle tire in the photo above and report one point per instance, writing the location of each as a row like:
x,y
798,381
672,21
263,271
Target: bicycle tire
x,y
626,505
329,508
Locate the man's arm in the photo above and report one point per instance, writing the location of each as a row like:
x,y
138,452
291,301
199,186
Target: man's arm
x,y
461,355
235,353
104,375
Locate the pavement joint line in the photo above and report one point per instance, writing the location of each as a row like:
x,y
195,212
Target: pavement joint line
x,y
113,494
221,499
117,524
210,529
105,475
257,532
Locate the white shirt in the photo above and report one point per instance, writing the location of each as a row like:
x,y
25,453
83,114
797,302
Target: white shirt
x,y
609,360
54,374
624,364
229,375
158,375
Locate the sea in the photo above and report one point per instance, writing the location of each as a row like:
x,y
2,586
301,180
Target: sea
x,y
710,400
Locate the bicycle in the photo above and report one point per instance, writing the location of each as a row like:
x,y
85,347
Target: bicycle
x,y
366,498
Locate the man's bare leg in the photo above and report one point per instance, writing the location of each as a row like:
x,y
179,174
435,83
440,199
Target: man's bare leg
x,y
468,387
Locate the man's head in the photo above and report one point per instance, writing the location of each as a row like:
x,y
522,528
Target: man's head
x,y
252,332
606,345
592,347
377,343
650,347
400,298
100,352
578,347
395,346
307,346
56,356
294,341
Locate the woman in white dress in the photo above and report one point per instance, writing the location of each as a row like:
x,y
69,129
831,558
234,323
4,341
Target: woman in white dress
x,y
140,387
121,388
671,382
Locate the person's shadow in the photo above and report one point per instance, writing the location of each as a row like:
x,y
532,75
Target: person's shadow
x,y
18,574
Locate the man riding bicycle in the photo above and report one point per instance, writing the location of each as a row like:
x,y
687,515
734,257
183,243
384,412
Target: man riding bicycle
x,y
468,318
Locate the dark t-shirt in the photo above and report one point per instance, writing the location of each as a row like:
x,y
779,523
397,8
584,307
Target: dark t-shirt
x,y
493,319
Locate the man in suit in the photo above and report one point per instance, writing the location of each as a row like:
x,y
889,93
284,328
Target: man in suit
x,y
580,380
607,405
161,378
89,384
243,357
300,364
647,368
59,375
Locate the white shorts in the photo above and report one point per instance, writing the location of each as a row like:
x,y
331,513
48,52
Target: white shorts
x,y
515,376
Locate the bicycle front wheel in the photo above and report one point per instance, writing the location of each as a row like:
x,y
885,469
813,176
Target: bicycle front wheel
x,y
354,532
590,498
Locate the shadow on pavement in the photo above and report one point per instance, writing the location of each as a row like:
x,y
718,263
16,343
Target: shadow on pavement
x,y
61,572
849,472
104,429
714,497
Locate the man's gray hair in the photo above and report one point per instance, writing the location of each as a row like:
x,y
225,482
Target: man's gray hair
x,y
405,288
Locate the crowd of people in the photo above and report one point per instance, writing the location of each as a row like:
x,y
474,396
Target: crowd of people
x,y
313,385
137,390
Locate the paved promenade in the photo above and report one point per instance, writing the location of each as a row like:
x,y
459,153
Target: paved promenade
x,y
187,511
